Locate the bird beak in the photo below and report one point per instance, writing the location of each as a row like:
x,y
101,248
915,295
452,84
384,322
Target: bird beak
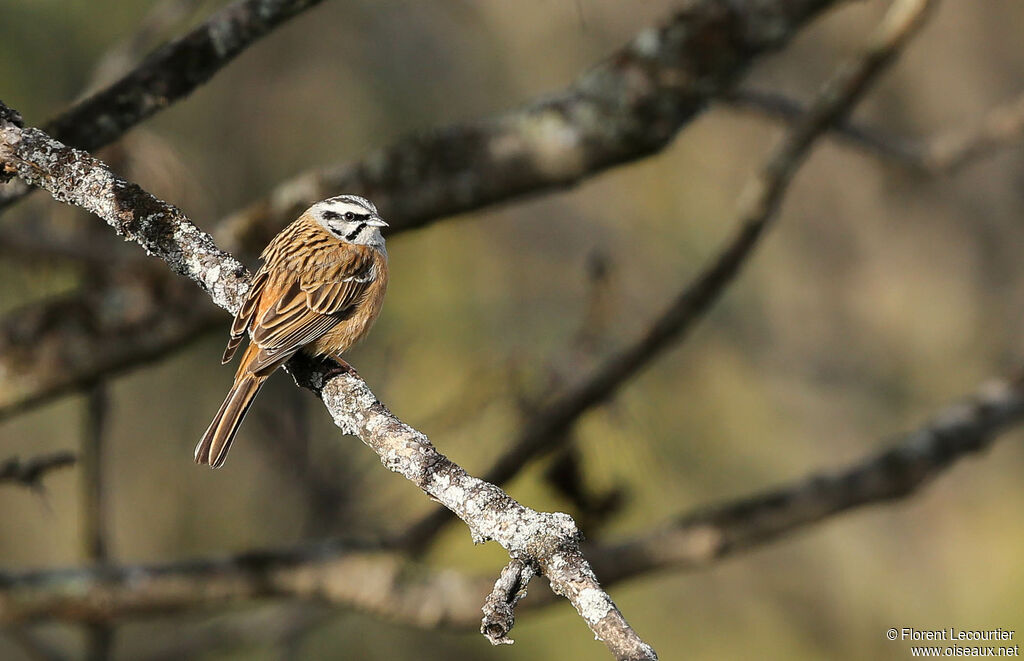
x,y
376,221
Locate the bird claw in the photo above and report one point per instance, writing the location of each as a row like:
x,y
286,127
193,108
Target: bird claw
x,y
341,368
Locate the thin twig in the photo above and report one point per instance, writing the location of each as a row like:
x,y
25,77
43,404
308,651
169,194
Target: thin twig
x,y
170,73
549,540
1001,127
758,205
30,472
161,18
33,646
499,607
701,537
100,636
625,108
374,580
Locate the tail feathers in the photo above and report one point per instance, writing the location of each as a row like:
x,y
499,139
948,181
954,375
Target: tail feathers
x,y
213,447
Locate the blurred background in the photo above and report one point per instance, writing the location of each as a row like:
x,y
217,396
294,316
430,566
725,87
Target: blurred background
x,y
879,297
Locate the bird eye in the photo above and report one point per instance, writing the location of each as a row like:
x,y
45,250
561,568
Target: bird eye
x,y
349,215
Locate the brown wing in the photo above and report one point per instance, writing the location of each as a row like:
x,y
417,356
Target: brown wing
x,y
313,304
244,317
334,287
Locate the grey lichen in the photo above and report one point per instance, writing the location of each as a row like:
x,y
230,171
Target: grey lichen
x,y
546,540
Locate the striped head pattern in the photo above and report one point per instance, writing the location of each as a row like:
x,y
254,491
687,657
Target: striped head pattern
x,y
350,218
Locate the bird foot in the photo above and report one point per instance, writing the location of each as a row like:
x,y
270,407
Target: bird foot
x,y
342,368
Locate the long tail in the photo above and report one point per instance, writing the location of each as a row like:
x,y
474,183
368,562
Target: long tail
x,y
214,446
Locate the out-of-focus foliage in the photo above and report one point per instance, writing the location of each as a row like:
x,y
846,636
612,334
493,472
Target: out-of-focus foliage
x,y
878,298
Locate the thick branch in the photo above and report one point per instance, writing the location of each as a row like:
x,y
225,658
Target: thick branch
x,y
389,585
759,203
168,74
550,541
626,108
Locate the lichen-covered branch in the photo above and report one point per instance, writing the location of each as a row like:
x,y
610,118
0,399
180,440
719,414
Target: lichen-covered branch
x,y
545,540
625,108
758,207
167,75
386,583
1001,127
500,605
548,540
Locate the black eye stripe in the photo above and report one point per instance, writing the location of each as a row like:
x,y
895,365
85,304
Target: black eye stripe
x,y
331,215
351,236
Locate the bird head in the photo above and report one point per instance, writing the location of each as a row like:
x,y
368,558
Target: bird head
x,y
350,218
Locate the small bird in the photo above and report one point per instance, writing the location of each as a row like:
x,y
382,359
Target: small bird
x,y
319,290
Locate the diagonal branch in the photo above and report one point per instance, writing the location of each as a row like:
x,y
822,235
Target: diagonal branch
x,y
68,342
545,540
384,583
548,540
30,472
702,537
625,108
758,207
167,75
1001,127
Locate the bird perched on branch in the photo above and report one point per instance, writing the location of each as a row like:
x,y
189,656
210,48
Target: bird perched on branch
x,y
319,290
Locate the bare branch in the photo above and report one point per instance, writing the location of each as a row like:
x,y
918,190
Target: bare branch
x,y
168,74
551,541
697,539
668,71
94,525
1000,128
332,573
387,584
758,204
68,342
548,541
99,635
499,607
30,245
625,108
160,20
30,472
266,626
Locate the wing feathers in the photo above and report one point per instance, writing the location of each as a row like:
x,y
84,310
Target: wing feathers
x,y
245,314
307,305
